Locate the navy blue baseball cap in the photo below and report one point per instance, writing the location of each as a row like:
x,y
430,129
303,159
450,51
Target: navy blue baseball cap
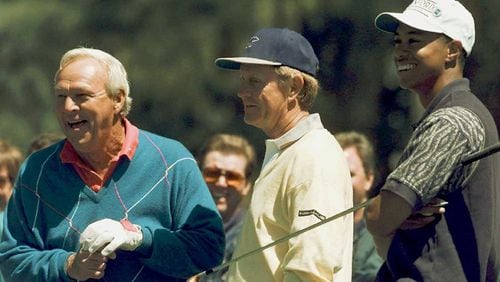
x,y
275,47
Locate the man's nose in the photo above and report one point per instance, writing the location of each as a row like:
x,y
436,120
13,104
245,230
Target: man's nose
x,y
400,53
69,104
221,181
244,91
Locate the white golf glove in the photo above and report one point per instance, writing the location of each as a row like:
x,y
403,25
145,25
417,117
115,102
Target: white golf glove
x,y
112,234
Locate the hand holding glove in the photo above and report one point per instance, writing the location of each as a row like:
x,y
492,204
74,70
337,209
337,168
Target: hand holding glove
x,y
111,235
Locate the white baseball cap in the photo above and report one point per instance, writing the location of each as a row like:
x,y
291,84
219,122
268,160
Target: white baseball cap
x,y
441,16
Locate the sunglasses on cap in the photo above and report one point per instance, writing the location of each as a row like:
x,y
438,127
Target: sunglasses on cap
x,y
212,174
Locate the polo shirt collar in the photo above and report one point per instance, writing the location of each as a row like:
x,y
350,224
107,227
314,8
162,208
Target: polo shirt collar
x,y
273,146
69,154
305,125
461,84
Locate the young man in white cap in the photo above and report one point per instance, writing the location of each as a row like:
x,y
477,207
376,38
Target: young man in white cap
x,y
304,177
431,41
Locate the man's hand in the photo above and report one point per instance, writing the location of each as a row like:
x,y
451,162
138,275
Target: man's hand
x,y
84,265
425,215
111,235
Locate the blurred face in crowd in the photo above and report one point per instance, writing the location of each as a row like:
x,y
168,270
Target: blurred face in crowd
x,y
265,104
225,177
419,57
361,181
5,187
85,112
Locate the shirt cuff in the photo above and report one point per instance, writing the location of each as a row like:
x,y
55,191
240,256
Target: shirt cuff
x,y
404,192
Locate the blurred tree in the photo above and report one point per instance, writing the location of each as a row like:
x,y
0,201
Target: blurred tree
x,y
168,48
30,32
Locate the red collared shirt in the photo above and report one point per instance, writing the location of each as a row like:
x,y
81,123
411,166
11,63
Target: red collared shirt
x,y
88,175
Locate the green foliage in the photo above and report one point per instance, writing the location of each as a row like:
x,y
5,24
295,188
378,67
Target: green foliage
x,y
168,48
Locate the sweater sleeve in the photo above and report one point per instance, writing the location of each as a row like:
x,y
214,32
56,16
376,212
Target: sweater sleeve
x,y
323,190
22,256
196,241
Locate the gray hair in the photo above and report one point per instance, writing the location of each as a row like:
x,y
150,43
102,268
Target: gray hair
x,y
117,75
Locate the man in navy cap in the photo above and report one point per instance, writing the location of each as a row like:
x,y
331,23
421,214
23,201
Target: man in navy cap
x,y
431,42
304,178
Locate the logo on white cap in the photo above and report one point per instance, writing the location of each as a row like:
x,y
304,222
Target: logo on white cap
x,y
427,6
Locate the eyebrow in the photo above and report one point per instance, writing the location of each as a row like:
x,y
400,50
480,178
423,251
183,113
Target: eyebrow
x,y
59,88
72,91
411,32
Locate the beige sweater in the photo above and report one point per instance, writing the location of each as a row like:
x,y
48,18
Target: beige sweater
x,y
305,178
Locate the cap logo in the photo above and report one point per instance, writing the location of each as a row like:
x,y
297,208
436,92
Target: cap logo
x,y
437,12
426,6
253,39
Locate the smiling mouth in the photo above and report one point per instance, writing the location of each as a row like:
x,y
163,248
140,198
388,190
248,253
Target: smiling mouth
x,y
77,124
406,67
250,106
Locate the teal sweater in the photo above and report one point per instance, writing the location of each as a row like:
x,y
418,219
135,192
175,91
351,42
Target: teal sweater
x,y
163,191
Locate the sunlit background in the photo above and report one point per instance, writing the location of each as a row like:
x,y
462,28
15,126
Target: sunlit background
x,y
168,48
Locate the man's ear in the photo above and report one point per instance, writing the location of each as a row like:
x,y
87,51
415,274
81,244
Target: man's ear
x,y
296,85
247,188
119,102
454,51
369,182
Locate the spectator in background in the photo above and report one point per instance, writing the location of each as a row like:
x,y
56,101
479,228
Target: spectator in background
x,y
44,140
10,160
432,40
304,177
228,164
112,201
361,160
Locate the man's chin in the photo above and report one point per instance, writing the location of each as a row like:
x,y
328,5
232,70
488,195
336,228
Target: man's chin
x,y
221,208
80,143
252,121
247,121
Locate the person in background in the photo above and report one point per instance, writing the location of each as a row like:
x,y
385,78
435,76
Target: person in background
x,y
10,160
304,177
361,160
44,140
111,201
432,40
228,164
